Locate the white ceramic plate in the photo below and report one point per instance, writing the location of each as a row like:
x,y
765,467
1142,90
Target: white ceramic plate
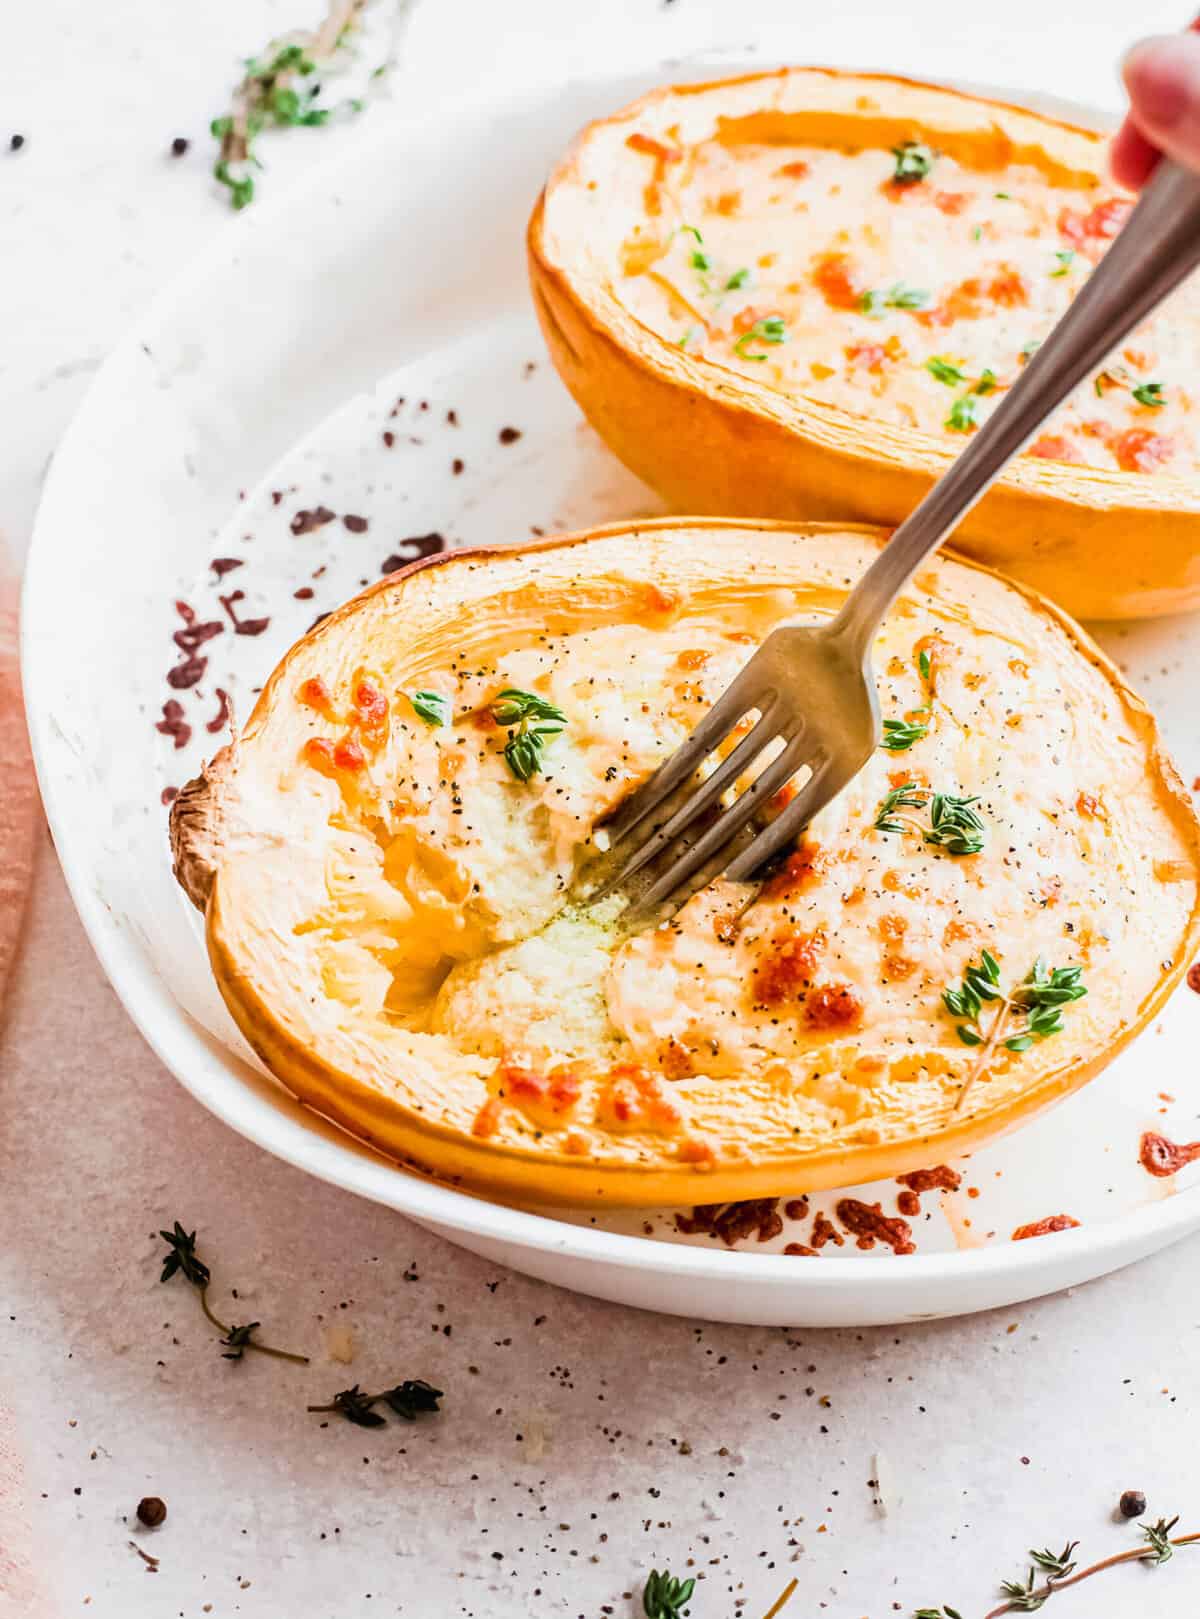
x,y
265,385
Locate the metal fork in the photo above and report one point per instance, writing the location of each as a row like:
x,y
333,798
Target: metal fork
x,y
812,686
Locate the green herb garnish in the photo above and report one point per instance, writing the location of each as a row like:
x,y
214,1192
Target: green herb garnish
x,y
1038,1000
913,162
1029,349
280,89
945,371
899,735
1061,1571
987,382
182,1259
1151,394
738,279
432,707
664,1597
963,414
897,296
1066,258
1158,1534
954,824
976,233
771,329
533,722
408,1400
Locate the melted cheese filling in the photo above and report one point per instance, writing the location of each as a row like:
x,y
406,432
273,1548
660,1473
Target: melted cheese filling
x,y
811,270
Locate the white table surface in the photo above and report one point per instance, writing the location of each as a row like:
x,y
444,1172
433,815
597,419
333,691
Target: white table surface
x,y
581,1443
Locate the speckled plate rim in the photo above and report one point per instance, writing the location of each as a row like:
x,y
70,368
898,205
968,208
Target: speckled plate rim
x,y
252,1105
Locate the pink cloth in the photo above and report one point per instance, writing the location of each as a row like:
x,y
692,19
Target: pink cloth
x,y
18,794
22,1592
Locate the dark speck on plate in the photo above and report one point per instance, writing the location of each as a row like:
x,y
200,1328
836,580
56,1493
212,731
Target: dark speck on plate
x,y
305,522
509,435
412,550
356,525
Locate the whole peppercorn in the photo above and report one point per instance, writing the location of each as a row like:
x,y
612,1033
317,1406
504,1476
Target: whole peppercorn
x,y
1132,1504
151,1511
179,146
15,142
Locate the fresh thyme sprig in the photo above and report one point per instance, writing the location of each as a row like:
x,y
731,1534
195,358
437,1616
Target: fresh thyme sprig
x,y
1027,1597
1040,998
770,329
281,90
533,721
944,1612
408,1400
664,1597
914,160
954,824
181,1258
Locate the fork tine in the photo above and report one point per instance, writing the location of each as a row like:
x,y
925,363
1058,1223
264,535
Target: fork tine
x,y
727,825
823,785
745,692
700,800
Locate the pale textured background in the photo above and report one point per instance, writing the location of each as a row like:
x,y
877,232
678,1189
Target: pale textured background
x,y
558,1474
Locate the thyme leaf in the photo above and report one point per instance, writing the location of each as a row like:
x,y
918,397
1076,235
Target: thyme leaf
x,y
1066,258
914,160
1159,1536
664,1597
963,414
432,707
897,296
770,329
1150,394
945,371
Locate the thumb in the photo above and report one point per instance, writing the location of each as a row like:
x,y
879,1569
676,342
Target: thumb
x,y
1163,80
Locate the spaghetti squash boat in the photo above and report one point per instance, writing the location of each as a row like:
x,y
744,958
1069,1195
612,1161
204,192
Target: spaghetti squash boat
x,y
795,295
385,858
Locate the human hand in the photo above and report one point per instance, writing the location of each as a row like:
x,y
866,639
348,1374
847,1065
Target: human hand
x,y
1163,79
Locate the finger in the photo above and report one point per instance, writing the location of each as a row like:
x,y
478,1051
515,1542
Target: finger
x,y
1132,158
1163,80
